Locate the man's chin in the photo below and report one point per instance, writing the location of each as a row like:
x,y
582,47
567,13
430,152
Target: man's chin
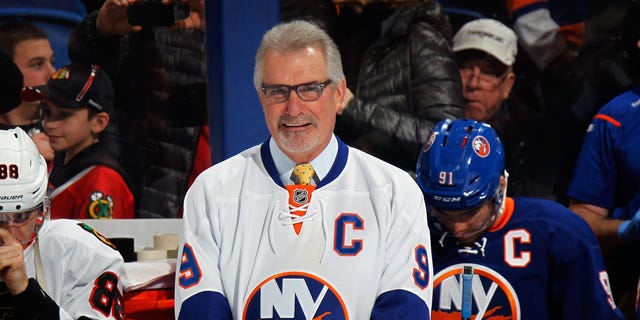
x,y
477,115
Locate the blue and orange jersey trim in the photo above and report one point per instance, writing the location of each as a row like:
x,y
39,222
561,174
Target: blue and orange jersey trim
x,y
607,118
506,215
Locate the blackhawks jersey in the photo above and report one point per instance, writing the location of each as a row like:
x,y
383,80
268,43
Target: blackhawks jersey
x,y
92,185
538,261
80,271
362,252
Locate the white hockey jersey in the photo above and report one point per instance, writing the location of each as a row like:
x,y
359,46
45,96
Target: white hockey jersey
x,y
81,272
363,251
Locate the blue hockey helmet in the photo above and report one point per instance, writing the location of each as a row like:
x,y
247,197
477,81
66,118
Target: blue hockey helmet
x,y
460,165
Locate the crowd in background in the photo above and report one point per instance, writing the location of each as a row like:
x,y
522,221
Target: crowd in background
x,y
404,74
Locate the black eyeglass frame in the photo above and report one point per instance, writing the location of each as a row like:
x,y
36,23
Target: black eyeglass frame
x,y
320,90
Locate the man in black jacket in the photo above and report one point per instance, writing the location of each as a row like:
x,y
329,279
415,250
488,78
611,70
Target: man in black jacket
x,y
408,81
159,74
486,52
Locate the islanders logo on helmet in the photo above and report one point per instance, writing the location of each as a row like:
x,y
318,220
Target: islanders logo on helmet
x,y
461,169
430,140
481,146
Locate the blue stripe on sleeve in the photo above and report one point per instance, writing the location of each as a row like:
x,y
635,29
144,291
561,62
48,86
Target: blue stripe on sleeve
x,y
400,304
205,305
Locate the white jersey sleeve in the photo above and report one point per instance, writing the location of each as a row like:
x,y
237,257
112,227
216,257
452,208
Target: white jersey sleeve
x,y
80,268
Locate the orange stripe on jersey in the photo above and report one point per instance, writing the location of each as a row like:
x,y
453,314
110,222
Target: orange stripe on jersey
x,y
607,119
573,32
506,215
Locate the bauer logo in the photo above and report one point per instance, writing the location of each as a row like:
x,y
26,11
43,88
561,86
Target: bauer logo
x,y
294,295
493,297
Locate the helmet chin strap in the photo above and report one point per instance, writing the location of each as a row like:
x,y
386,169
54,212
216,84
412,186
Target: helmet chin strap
x,y
499,201
502,195
41,218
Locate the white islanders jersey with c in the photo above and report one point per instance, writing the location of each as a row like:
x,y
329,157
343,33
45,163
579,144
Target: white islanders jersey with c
x,y
363,251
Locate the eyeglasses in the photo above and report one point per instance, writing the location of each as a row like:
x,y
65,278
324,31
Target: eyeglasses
x,y
310,91
487,81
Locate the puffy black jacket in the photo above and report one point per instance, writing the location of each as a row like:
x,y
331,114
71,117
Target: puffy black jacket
x,y
159,77
408,82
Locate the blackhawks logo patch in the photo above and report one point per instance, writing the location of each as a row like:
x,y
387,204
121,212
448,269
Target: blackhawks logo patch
x,y
97,234
61,74
100,206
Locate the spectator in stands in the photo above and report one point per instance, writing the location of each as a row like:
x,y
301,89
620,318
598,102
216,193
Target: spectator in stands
x,y
551,32
463,11
88,180
609,55
353,26
486,52
31,51
605,190
50,269
407,83
159,73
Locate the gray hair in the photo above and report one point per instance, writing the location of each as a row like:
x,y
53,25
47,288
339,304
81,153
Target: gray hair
x,y
296,35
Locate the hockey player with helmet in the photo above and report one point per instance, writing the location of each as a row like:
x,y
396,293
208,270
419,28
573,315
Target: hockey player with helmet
x,y
50,269
516,258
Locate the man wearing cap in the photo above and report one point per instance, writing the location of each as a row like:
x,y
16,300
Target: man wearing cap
x,y
88,180
486,52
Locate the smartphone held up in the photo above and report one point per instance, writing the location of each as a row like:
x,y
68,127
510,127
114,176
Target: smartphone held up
x,y
150,13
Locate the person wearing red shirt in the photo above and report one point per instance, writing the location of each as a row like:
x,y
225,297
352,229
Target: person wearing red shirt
x,y
86,179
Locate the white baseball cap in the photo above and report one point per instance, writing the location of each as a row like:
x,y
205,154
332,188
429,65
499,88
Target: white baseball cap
x,y
490,36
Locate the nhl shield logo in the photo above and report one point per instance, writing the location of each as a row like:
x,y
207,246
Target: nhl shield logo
x,y
300,196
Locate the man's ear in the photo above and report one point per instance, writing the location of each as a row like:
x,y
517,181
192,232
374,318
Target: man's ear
x,y
507,84
100,122
341,95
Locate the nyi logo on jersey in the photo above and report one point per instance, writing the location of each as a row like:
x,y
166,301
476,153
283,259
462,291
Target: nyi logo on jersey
x,y
493,297
295,295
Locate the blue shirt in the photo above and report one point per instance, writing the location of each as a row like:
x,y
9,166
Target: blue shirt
x,y
607,173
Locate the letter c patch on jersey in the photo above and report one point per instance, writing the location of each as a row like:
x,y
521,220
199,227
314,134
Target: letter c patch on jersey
x,y
294,295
